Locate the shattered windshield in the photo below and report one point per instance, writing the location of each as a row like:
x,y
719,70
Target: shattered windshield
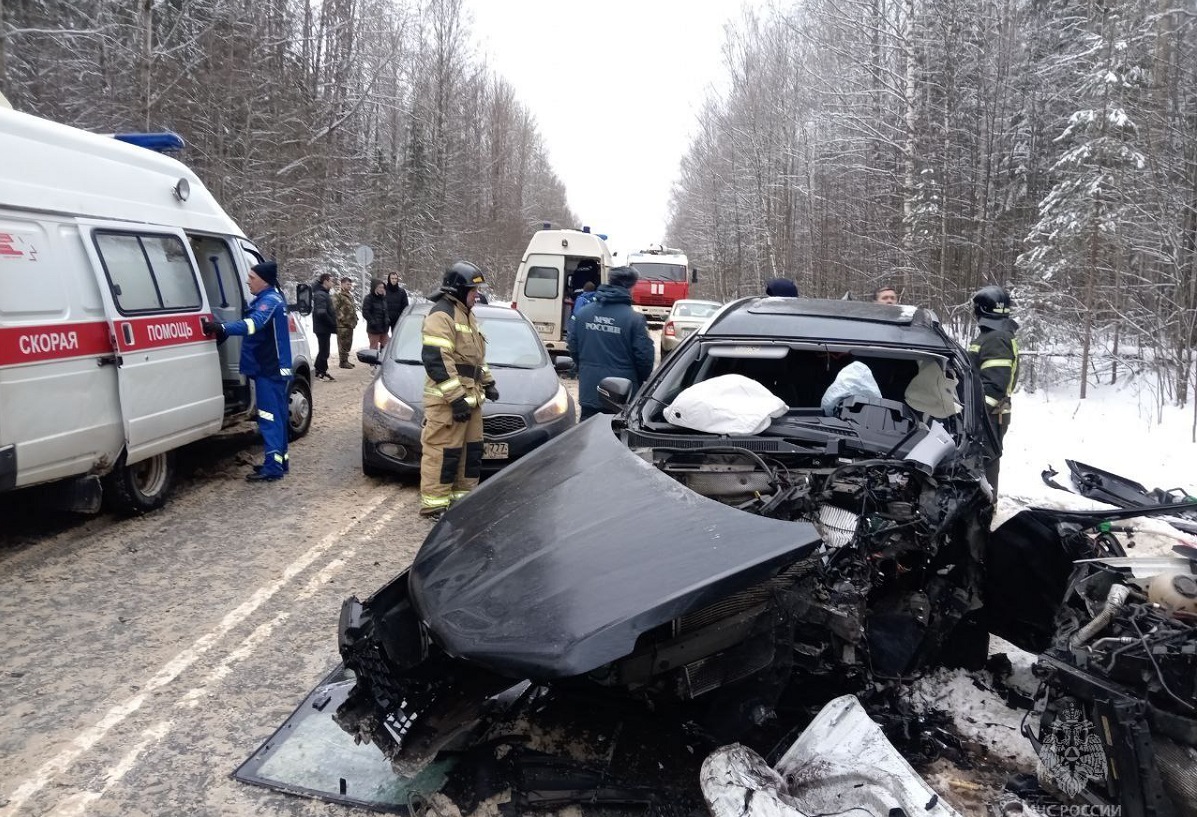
x,y
800,375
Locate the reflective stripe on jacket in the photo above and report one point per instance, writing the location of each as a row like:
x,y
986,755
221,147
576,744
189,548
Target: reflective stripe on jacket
x,y
266,350
995,354
454,354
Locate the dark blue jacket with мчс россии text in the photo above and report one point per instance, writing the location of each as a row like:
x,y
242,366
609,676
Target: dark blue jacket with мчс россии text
x,y
609,339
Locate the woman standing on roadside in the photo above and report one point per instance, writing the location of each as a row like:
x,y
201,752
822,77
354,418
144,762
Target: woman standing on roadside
x,y
396,300
374,312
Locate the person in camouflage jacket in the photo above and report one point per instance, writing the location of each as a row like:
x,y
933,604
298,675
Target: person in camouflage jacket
x,y
346,307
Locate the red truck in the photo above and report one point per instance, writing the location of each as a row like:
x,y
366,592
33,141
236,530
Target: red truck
x,y
665,277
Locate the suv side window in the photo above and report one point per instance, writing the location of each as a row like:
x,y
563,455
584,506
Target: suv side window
x,y
148,273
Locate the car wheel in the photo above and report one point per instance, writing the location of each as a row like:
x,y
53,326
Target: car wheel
x,y
299,408
142,487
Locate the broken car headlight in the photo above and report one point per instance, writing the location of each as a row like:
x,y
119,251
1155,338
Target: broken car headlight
x,y
386,402
554,408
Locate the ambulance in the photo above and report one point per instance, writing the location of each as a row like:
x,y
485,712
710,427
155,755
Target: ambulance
x,y
111,257
555,267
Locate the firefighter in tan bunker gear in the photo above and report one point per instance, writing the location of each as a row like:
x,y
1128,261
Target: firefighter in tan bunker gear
x,y
457,381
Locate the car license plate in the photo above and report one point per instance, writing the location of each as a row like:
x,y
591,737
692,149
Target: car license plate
x,y
544,328
494,451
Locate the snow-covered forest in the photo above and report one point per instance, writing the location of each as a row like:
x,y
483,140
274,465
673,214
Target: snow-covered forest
x,y
319,124
1047,145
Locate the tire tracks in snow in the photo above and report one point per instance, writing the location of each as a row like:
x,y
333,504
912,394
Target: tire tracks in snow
x,y
77,802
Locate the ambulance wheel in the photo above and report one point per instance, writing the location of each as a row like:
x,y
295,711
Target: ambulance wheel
x,y
299,408
141,487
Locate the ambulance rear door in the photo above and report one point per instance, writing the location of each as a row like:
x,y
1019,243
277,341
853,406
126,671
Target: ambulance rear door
x,y
168,372
542,297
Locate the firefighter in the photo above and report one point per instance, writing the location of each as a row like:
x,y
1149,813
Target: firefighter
x,y
457,381
995,353
266,359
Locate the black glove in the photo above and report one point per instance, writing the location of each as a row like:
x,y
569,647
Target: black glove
x,y
461,410
213,329
492,392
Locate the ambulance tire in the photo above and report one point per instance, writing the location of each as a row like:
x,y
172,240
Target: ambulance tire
x,y
299,408
144,486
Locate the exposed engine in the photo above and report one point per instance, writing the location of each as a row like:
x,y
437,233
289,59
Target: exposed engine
x,y
881,598
1117,705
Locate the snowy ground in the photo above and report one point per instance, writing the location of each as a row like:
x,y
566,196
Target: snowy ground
x,y
1114,429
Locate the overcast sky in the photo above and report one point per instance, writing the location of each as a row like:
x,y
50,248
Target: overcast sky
x,y
615,87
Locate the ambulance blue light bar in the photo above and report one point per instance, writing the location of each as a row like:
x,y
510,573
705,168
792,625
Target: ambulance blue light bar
x,y
165,142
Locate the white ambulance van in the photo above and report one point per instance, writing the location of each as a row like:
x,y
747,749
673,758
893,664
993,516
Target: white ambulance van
x,y
552,269
111,255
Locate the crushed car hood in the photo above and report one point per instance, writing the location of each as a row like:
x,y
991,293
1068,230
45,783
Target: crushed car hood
x,y
557,565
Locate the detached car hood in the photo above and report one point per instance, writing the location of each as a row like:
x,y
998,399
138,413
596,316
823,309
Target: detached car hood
x,y
557,565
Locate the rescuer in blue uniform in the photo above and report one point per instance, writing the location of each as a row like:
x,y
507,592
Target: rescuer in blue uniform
x,y
266,359
610,339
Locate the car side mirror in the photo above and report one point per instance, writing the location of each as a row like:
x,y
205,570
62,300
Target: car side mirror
x,y
368,356
694,275
565,363
614,392
303,300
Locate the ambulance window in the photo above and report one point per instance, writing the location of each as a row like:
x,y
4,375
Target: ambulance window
x,y
252,256
148,273
218,272
542,282
172,270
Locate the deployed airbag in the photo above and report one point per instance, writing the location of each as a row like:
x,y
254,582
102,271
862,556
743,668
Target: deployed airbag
x,y
728,404
842,763
854,380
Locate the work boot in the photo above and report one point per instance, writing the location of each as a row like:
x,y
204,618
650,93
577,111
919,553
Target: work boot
x,y
346,365
258,476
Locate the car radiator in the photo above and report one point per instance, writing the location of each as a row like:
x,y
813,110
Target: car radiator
x,y
712,672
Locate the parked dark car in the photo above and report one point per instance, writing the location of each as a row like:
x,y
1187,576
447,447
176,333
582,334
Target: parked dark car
x,y
720,574
533,408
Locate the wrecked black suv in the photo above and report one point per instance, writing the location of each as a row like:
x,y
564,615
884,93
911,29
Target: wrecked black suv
x,y
658,557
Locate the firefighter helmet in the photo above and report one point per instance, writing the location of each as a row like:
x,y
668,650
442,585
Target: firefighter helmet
x,y
460,278
992,302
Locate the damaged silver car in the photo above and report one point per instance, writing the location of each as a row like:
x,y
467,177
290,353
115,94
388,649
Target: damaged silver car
x,y
831,537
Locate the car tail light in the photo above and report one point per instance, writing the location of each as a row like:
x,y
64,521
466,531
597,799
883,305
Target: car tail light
x,y
515,305
669,330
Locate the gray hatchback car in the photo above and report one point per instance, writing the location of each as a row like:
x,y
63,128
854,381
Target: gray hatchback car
x,y
534,405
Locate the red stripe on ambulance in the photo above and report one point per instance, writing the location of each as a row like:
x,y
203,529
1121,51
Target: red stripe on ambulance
x,y
153,333
29,344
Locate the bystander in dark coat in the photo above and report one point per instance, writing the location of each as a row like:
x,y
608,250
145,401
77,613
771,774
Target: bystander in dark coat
x,y
396,299
324,323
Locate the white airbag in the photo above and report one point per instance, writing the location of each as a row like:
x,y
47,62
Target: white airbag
x,y
728,404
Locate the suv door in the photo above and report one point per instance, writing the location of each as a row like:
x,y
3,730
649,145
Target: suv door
x,y
168,372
